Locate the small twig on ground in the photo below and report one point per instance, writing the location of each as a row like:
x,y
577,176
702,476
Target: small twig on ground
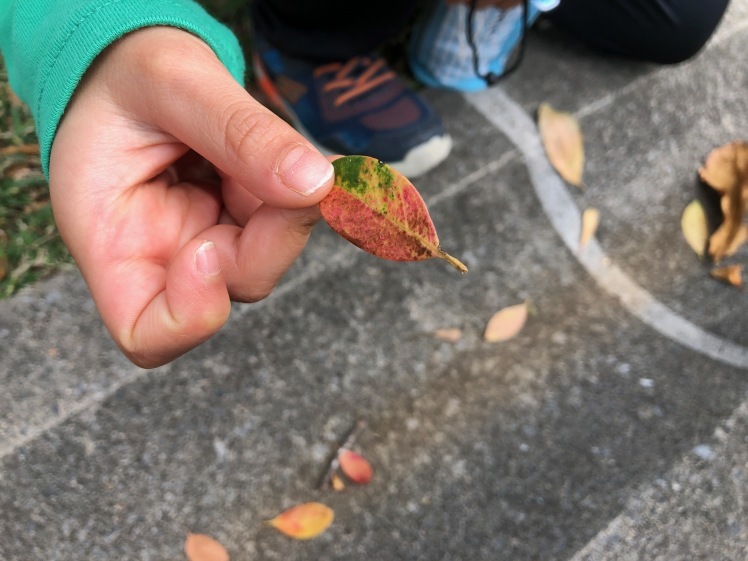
x,y
333,463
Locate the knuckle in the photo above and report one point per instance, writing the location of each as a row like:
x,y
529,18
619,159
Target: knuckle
x,y
247,129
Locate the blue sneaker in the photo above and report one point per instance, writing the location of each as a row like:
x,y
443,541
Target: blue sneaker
x,y
354,107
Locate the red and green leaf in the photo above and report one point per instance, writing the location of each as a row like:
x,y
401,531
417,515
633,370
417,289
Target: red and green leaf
x,y
377,209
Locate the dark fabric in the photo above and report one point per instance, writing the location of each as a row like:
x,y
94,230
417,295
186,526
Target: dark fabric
x,y
330,30
662,31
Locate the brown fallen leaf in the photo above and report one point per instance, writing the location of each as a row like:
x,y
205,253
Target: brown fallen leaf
x,y
694,226
26,149
731,274
304,521
726,171
563,143
506,323
590,222
199,547
720,171
448,335
355,467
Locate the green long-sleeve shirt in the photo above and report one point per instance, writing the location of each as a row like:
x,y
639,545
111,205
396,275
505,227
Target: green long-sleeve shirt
x,y
48,45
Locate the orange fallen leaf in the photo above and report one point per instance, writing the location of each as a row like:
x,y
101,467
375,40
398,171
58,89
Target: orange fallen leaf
x,y
694,226
731,274
563,143
355,467
199,547
506,323
448,335
304,521
590,222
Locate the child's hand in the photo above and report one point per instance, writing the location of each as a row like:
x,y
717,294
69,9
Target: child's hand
x,y
163,240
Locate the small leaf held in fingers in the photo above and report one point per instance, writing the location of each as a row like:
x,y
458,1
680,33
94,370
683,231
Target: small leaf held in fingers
x,y
304,521
731,274
355,467
199,547
377,209
563,143
694,227
506,324
590,222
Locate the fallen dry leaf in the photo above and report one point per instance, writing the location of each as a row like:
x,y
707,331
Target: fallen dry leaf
x,y
726,171
304,521
694,226
590,222
563,143
723,166
376,208
337,483
448,335
355,467
506,323
199,547
731,274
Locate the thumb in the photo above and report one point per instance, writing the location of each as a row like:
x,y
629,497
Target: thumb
x,y
194,98
191,307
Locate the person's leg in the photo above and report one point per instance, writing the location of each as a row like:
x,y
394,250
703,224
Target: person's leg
x,y
330,30
661,31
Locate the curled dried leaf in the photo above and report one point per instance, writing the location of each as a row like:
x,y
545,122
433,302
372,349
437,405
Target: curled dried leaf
x,y
731,274
199,547
355,467
724,164
563,143
726,171
590,222
694,226
377,209
506,323
304,521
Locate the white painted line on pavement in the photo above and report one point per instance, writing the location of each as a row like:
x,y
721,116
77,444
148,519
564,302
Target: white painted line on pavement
x,y
509,117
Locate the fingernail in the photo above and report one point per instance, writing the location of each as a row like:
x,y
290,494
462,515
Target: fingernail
x,y
303,170
206,259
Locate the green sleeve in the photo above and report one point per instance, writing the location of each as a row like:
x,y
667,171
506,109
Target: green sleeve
x,y
48,45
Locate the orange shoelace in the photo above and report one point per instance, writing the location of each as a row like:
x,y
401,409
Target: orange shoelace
x,y
354,86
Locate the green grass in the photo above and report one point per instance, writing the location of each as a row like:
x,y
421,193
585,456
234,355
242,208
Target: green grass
x,y
30,245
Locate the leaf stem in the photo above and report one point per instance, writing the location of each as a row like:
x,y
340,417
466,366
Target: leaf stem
x,y
334,464
456,263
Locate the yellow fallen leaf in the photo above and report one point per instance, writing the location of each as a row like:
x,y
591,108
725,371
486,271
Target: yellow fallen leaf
x,y
731,274
590,222
355,467
304,521
506,323
449,335
337,483
694,226
199,547
563,143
